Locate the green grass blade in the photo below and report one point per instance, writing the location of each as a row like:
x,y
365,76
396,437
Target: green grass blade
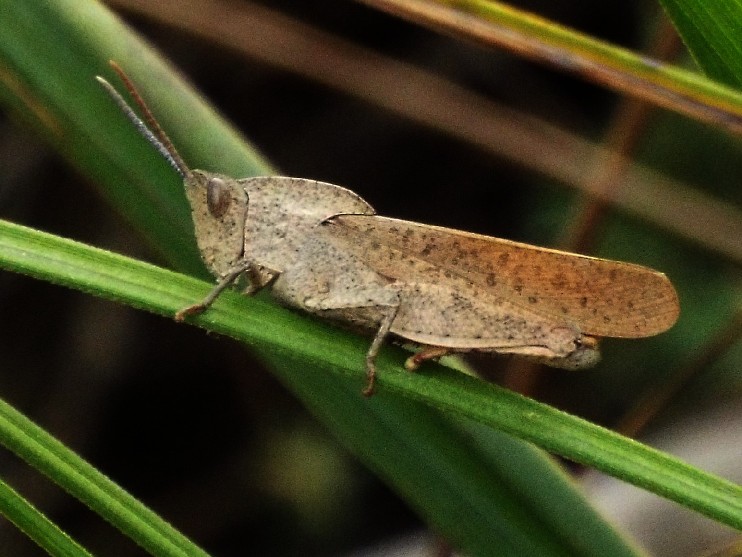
x,y
37,526
712,31
79,478
304,345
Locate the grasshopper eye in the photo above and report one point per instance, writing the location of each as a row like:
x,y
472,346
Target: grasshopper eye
x,y
218,198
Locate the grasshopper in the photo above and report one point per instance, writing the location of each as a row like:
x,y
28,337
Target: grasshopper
x,y
324,250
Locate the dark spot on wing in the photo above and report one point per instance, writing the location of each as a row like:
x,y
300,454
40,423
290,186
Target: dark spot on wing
x,y
427,250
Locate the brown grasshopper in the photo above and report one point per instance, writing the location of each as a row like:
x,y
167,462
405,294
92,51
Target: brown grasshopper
x,y
323,250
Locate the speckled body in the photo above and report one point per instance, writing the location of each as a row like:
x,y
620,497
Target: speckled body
x,y
328,254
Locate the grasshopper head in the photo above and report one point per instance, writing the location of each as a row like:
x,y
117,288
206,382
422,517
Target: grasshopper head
x,y
218,203
219,209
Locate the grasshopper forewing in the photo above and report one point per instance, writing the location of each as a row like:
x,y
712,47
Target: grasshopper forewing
x,y
454,291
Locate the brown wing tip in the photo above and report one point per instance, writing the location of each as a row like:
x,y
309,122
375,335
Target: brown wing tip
x,y
662,307
644,304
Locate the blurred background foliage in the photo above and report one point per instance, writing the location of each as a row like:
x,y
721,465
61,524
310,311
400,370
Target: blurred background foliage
x,y
253,461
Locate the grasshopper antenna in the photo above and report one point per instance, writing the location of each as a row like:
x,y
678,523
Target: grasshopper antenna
x,y
158,139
